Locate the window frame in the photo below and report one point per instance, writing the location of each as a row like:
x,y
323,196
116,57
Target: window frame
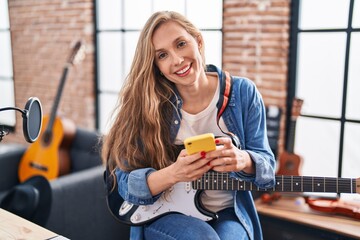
x,y
7,29
292,75
123,30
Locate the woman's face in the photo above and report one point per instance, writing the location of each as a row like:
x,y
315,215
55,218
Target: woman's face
x,y
177,54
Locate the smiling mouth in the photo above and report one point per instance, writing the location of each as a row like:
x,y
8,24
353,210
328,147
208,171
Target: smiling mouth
x,y
183,71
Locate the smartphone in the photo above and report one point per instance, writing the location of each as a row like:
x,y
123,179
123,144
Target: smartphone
x,y
204,142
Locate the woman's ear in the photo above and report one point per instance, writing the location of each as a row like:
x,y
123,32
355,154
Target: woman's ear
x,y
199,41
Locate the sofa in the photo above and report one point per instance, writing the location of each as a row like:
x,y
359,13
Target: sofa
x,y
78,208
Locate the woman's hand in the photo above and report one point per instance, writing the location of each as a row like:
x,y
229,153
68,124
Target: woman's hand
x,y
186,168
228,158
190,167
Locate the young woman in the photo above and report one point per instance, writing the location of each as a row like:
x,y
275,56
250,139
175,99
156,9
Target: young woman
x,y
169,95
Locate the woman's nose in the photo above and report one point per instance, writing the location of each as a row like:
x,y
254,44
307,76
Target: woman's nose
x,y
177,59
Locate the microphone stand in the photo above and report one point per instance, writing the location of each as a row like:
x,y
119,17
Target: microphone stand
x,y
4,132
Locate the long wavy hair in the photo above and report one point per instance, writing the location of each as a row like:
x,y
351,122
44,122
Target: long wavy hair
x,y
140,134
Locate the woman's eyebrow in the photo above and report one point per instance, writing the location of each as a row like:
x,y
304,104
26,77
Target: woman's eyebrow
x,y
175,41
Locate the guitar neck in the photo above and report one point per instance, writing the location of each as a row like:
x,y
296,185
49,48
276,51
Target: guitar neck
x,y
57,99
291,137
222,181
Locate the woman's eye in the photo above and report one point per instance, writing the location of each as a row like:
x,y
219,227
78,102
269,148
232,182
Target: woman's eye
x,y
162,55
182,44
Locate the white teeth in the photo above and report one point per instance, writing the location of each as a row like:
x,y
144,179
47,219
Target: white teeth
x,y
183,70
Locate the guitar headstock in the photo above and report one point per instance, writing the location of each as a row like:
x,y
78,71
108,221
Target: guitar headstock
x,y
77,53
296,107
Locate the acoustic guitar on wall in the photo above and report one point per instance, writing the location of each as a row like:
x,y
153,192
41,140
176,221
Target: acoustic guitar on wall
x,y
290,162
49,155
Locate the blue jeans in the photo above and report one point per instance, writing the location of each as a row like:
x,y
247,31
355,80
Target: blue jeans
x,y
181,227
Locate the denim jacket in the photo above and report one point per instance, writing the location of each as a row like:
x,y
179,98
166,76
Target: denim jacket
x,y
245,117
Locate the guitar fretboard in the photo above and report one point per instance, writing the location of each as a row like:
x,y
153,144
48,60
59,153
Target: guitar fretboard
x,y
222,181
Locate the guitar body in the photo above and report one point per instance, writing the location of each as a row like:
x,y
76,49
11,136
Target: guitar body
x,y
181,198
289,164
49,156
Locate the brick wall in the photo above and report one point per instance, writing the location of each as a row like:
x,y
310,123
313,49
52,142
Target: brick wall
x,y
256,45
256,42
43,33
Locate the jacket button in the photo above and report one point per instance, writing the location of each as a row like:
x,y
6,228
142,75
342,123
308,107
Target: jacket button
x,y
176,122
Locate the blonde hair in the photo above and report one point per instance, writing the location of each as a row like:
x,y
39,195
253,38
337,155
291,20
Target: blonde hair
x,y
140,134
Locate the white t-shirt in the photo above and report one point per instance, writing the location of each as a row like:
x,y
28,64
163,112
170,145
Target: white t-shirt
x,y
200,123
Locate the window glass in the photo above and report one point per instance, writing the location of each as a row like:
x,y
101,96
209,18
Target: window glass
x,y
353,89
5,55
4,16
351,156
7,100
356,15
110,61
323,14
135,16
317,142
107,103
109,14
170,5
320,72
205,13
131,39
213,43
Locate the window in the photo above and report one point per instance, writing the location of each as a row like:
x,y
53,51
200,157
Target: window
x,y
7,98
325,73
118,25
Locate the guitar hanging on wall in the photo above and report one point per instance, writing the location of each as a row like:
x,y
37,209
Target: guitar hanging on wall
x,y
49,155
290,162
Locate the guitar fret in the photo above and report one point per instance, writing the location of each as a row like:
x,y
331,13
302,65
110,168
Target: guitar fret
x,y
222,183
212,182
208,183
227,182
312,184
297,184
330,186
216,184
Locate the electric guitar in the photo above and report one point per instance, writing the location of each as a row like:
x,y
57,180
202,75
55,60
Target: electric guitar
x,y
290,162
49,155
184,197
